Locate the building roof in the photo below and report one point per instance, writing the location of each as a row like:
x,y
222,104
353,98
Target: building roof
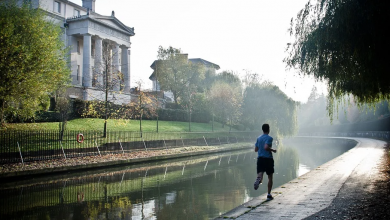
x,y
204,62
192,60
109,21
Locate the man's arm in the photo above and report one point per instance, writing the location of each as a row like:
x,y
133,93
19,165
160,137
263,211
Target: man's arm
x,y
256,149
268,148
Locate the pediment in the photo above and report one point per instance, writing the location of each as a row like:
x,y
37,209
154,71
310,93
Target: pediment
x,y
114,23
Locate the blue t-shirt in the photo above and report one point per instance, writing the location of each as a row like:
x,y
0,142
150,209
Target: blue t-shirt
x,y
261,141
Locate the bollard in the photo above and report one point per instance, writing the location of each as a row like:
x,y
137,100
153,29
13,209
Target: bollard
x,y
219,141
182,172
205,165
63,150
229,159
121,146
182,141
219,161
98,148
205,141
20,152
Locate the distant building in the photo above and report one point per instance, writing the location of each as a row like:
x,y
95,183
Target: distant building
x,y
210,68
84,32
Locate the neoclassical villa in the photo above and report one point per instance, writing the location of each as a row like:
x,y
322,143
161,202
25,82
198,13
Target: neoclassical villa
x,y
98,43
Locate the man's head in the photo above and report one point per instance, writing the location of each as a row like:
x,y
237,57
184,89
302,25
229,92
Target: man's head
x,y
265,128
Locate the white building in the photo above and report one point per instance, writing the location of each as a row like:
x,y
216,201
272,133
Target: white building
x,y
84,32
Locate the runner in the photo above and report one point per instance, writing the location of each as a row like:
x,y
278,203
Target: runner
x,y
265,161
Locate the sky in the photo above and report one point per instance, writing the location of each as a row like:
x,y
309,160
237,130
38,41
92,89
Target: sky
x,y
245,35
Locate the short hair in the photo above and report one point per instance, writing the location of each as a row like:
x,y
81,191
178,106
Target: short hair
x,y
265,127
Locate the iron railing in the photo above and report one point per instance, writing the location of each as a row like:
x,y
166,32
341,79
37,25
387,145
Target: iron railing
x,y
48,144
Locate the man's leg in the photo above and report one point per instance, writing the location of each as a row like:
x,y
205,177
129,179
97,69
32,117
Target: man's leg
x,y
260,176
258,180
270,182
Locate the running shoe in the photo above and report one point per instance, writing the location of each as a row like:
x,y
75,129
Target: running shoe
x,y
269,197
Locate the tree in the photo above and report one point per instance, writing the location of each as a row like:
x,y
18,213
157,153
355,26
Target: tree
x,y
343,42
266,103
225,100
145,106
64,108
176,74
32,59
106,76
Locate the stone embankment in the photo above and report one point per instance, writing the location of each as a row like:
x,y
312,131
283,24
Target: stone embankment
x,y
93,162
352,174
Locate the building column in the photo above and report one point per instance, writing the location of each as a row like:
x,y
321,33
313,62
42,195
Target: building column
x,y
116,67
87,74
126,67
98,72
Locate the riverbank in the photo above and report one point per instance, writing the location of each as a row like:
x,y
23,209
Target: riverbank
x,y
45,167
337,189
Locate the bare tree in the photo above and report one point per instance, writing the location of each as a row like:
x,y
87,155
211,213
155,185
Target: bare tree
x,y
107,76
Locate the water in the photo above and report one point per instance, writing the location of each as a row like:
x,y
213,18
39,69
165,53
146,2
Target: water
x,y
189,188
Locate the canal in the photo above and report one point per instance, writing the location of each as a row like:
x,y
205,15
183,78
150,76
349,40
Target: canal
x,y
189,188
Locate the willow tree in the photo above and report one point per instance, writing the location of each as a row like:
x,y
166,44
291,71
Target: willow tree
x,y
32,59
343,42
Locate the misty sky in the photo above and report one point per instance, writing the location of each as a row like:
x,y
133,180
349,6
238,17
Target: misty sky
x,y
237,35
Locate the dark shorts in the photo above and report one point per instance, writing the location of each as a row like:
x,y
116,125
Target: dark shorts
x,y
265,165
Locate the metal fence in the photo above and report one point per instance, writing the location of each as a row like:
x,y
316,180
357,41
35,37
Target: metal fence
x,y
385,135
16,146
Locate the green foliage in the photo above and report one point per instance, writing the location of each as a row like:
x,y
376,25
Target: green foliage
x,y
266,103
225,100
176,74
32,59
344,43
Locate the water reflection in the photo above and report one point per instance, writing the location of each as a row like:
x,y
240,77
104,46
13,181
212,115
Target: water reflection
x,y
190,188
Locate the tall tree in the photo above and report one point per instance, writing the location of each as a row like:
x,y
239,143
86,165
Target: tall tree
x,y
146,105
225,100
107,77
32,59
267,103
343,42
176,74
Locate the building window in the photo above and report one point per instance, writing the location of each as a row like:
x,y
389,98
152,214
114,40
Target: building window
x,y
78,47
78,73
76,12
57,7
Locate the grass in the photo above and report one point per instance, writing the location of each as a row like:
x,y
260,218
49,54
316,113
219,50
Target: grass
x,y
121,125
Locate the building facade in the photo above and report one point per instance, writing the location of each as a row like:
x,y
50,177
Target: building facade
x,y
98,45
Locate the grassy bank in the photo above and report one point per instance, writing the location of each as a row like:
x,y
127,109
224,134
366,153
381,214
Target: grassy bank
x,y
120,125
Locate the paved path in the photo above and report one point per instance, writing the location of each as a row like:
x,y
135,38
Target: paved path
x,y
315,191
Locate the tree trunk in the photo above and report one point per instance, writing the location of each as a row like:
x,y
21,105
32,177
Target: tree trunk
x,y
2,113
106,106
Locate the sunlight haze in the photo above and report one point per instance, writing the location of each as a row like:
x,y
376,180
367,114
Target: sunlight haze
x,y
237,35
